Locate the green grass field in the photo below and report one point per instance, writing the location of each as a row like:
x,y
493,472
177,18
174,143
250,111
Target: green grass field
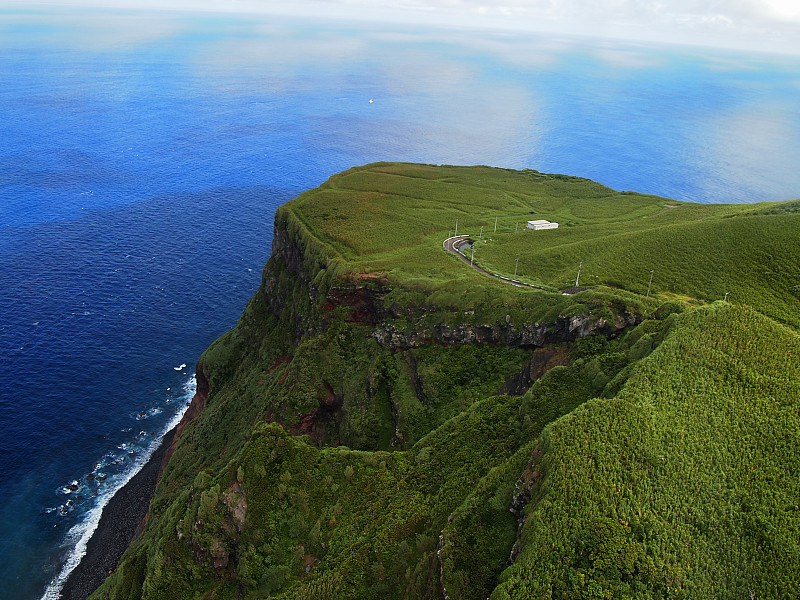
x,y
659,460
390,220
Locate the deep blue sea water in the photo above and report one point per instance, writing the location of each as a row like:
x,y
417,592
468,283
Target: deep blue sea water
x,y
142,158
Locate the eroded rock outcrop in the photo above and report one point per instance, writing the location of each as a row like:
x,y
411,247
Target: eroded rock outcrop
x,y
532,335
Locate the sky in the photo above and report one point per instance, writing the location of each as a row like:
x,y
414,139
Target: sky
x,y
762,25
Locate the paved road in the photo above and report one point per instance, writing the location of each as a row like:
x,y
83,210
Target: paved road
x,y
452,244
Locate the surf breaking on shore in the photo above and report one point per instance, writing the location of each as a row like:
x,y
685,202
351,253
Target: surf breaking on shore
x,y
79,535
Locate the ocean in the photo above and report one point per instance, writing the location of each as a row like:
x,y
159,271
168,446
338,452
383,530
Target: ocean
x,y
142,157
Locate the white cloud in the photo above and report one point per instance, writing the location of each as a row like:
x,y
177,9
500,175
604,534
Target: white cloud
x,y
788,10
772,25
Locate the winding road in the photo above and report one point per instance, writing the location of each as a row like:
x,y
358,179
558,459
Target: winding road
x,y
452,244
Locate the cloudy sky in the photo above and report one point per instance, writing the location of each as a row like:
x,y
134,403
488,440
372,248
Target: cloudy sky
x,y
770,25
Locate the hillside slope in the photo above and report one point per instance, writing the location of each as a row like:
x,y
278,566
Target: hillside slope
x,y
385,422
683,485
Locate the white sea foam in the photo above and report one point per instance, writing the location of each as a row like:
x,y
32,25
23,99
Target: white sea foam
x,y
68,489
146,414
78,536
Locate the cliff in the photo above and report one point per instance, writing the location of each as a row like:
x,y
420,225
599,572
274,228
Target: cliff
x,y
312,313
381,427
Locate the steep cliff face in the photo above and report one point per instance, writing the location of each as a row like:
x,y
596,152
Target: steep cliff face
x,y
529,335
365,300
327,358
196,406
316,308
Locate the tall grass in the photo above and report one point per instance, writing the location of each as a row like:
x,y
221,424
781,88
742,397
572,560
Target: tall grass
x,y
682,486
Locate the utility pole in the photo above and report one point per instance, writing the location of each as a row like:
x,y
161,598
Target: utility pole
x,y
456,226
473,257
515,269
726,297
516,227
649,284
495,224
480,237
578,278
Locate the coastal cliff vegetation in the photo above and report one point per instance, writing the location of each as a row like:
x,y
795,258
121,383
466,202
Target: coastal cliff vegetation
x,y
386,422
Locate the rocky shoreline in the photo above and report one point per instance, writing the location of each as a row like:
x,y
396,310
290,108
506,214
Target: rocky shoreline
x,y
119,525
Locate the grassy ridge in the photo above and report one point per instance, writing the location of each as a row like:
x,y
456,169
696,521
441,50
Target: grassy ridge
x,y
373,216
389,219
660,464
751,257
682,486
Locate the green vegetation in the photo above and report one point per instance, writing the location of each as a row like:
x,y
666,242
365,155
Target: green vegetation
x,y
385,422
684,485
388,220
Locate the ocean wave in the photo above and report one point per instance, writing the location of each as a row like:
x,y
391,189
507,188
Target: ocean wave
x,y
71,487
78,535
146,414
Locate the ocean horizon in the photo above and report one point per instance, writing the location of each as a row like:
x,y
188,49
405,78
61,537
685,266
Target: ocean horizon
x,y
143,155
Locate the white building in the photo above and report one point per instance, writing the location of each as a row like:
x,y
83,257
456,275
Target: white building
x,y
542,224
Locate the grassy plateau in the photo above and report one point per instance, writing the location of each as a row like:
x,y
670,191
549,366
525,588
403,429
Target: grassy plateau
x,y
387,422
